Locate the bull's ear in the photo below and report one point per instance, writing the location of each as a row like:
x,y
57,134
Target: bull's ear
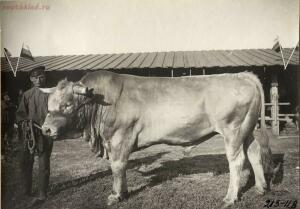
x,y
48,90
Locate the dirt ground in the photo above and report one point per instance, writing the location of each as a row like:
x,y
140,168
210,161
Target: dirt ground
x,y
158,177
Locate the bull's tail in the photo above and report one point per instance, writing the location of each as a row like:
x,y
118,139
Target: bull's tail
x,y
266,154
263,140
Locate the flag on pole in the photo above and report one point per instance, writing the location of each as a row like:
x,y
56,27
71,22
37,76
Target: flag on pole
x,y
7,55
276,46
25,53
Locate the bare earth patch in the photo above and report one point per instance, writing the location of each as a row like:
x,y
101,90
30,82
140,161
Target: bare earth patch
x,y
158,177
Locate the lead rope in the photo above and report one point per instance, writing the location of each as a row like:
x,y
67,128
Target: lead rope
x,y
29,134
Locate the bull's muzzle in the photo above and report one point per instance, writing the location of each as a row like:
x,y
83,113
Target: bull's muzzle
x,y
49,131
53,125
46,130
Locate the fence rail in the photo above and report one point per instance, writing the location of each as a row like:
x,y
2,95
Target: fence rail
x,y
277,117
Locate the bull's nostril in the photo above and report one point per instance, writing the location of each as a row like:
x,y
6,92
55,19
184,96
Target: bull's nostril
x,y
46,131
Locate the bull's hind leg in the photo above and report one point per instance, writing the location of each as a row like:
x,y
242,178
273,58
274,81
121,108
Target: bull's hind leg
x,y
255,158
236,158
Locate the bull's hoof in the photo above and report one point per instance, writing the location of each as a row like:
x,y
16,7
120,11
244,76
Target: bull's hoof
x,y
226,205
260,190
228,201
113,199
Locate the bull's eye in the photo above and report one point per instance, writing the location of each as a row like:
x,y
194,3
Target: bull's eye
x,y
67,109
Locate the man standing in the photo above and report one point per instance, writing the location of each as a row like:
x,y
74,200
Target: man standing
x,y
33,107
8,110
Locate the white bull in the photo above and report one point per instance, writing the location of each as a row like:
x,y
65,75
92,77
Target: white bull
x,y
129,113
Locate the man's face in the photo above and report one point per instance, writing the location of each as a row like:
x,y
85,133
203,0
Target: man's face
x,y
38,80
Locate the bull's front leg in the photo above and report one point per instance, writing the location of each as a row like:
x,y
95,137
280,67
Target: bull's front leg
x,y
120,190
119,150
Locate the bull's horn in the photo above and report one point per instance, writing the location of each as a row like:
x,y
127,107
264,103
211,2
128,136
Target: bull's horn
x,y
80,89
48,90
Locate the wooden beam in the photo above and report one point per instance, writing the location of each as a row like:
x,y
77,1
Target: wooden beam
x,y
274,101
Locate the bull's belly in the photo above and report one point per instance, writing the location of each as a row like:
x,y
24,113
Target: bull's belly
x,y
187,135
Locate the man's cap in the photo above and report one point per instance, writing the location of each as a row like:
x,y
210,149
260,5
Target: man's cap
x,y
39,70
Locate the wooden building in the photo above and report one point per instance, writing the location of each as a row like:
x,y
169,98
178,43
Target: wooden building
x,y
280,86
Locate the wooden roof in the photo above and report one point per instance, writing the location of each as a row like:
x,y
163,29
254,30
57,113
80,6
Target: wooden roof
x,y
178,59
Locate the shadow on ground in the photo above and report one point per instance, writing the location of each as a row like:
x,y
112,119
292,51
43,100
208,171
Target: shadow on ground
x,y
56,188
215,164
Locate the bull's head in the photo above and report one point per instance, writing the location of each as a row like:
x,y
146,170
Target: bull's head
x,y
63,103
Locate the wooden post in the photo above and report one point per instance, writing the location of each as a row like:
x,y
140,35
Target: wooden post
x,y
275,108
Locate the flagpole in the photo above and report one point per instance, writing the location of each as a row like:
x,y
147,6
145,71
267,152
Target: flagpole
x,y
282,55
9,63
291,56
18,60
